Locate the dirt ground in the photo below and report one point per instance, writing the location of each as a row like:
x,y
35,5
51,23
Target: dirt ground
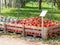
x,y
13,40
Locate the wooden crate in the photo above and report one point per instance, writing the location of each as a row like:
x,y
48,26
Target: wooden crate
x,y
31,30
14,27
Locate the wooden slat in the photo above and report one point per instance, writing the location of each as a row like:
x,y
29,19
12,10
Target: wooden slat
x,y
15,28
33,31
1,26
54,30
33,27
17,25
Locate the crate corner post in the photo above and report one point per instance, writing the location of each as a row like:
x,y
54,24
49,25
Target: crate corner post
x,y
44,33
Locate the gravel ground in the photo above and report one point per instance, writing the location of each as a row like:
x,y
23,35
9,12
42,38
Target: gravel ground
x,y
11,40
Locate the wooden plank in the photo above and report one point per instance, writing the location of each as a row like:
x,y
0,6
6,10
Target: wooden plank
x,y
33,27
36,31
17,25
1,26
54,30
14,28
